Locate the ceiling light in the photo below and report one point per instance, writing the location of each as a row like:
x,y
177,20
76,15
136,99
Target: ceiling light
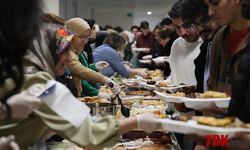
x,y
149,12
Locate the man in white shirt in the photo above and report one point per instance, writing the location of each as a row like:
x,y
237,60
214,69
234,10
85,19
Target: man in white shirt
x,y
183,53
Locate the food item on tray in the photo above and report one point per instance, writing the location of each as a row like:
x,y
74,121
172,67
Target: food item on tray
x,y
142,69
212,94
179,117
218,122
160,114
149,97
191,95
164,84
108,91
155,73
154,103
117,80
131,100
158,144
151,82
94,99
178,94
139,92
165,58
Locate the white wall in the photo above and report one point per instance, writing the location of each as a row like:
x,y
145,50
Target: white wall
x,y
153,19
51,6
113,19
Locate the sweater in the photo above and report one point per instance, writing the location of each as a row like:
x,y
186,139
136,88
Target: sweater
x,y
144,42
108,54
182,59
87,87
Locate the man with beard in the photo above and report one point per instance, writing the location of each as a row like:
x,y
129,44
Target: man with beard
x,y
239,104
183,52
196,12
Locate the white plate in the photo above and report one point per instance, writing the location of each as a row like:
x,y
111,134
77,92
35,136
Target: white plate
x,y
165,97
147,57
144,61
203,130
222,103
178,126
147,86
139,49
206,103
161,59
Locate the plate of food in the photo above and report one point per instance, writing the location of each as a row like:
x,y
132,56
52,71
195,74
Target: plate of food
x,y
139,49
208,99
173,98
161,59
149,86
147,57
217,126
178,126
142,93
144,61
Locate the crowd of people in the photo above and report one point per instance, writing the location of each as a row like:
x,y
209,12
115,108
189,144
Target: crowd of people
x,y
207,42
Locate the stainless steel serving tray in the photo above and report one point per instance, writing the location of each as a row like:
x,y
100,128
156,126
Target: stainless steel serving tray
x,y
103,109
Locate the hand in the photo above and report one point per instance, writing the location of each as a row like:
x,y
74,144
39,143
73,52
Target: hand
x,y
215,111
147,50
141,73
47,134
104,96
241,137
147,122
187,89
101,65
127,63
22,105
116,89
8,143
180,107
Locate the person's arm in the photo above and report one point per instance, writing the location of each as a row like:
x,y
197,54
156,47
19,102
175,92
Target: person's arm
x,y
78,70
93,67
88,90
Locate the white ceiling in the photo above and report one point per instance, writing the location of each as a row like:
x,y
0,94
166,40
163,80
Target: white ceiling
x,y
131,6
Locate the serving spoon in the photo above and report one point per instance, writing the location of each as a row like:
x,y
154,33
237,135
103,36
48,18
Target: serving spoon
x,y
124,109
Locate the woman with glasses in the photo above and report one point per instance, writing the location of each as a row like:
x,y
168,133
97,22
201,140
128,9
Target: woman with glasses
x,y
165,38
79,62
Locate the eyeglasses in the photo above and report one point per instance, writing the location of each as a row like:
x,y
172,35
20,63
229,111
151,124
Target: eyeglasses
x,y
204,23
83,38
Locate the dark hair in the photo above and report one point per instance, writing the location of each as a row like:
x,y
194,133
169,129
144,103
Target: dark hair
x,y
53,18
116,41
100,37
19,25
158,26
134,26
166,21
165,32
175,10
108,27
118,29
101,28
144,25
90,22
192,9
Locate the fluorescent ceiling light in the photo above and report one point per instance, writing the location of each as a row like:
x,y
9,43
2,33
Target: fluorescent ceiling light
x,y
149,12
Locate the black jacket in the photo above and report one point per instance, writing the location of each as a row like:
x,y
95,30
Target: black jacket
x,y
128,52
163,52
200,63
240,101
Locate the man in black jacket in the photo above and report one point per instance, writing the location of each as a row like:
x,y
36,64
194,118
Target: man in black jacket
x,y
196,12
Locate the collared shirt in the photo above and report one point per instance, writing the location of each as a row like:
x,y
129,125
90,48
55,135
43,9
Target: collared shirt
x,y
207,66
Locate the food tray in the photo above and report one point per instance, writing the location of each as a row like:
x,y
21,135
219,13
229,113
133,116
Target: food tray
x,y
165,97
161,59
178,126
147,86
103,109
147,57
